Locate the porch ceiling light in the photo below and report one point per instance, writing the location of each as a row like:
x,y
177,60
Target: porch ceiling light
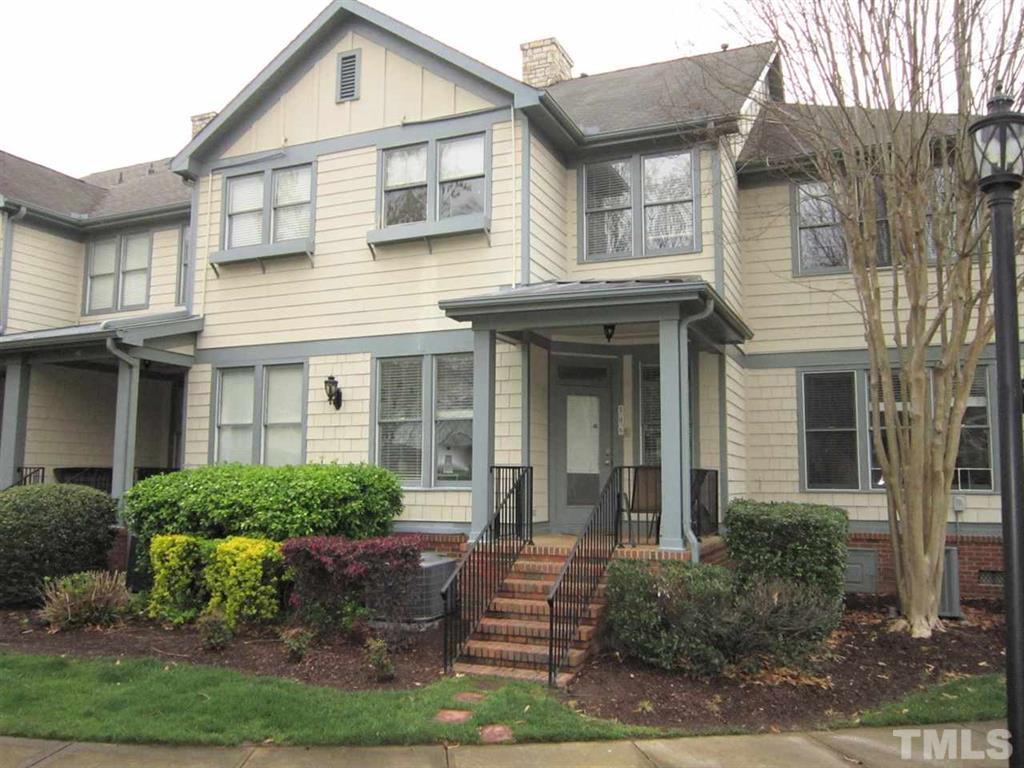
x,y
609,331
333,391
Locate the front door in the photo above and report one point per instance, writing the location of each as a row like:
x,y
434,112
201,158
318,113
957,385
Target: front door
x,y
581,459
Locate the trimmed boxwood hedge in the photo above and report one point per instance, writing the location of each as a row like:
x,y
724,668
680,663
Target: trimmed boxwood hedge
x,y
50,531
806,543
277,503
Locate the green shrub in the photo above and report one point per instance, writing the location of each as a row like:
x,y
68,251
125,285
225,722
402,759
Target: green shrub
x,y
49,531
215,633
296,642
89,598
244,579
179,589
805,543
379,658
703,619
356,501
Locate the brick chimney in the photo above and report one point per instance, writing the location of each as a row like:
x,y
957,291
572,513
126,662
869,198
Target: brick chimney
x,y
545,62
200,121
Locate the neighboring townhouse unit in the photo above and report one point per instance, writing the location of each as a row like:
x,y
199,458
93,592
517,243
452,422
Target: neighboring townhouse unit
x,y
571,274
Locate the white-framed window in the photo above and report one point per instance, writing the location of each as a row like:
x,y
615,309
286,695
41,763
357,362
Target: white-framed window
x,y
117,272
269,207
640,205
426,396
270,396
831,455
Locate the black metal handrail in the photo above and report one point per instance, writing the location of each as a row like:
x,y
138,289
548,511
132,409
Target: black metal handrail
x,y
570,596
31,475
489,558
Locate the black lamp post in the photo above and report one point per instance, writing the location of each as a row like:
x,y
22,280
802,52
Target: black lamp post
x,y
999,151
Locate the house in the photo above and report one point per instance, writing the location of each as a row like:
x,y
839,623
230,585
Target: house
x,y
572,274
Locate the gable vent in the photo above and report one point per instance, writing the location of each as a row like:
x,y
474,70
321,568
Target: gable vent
x,y
348,76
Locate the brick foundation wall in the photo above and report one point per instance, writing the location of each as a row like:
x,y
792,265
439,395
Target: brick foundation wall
x,y
976,554
451,544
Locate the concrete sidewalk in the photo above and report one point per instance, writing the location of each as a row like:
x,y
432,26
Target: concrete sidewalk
x,y
869,747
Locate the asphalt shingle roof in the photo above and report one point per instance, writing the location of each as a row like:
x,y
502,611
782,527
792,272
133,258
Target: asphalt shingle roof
x,y
132,189
678,91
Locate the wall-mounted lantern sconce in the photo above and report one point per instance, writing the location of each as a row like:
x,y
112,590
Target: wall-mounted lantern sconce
x,y
333,391
609,331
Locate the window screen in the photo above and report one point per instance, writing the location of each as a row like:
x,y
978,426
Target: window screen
x,y
292,194
400,418
245,211
453,418
608,209
821,244
282,414
830,430
650,415
234,415
461,182
405,185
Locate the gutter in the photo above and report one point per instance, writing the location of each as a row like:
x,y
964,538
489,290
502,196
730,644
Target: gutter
x,y
83,222
6,255
693,543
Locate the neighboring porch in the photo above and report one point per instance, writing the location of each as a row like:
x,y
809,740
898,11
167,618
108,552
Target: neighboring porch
x,y
99,405
622,382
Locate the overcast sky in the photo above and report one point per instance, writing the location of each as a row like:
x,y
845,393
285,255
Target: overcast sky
x,y
99,84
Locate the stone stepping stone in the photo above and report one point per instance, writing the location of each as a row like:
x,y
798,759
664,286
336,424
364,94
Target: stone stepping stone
x,y
470,697
452,716
495,734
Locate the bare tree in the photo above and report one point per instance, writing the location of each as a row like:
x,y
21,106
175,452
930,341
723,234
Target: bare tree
x,y
880,95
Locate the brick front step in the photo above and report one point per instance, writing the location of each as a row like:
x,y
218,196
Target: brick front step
x,y
509,607
550,567
526,654
495,628
530,675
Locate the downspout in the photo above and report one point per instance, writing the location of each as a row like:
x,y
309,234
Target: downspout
x,y
693,544
7,256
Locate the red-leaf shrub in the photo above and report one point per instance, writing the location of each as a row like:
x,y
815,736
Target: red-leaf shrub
x,y
331,574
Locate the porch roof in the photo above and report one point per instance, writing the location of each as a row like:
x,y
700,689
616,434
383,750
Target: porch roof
x,y
134,331
597,302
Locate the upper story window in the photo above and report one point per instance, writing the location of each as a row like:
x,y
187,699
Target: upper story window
x,y
821,246
644,205
117,273
434,181
267,210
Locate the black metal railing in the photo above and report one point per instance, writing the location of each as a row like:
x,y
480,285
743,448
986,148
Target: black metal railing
x,y
641,503
570,597
488,559
31,476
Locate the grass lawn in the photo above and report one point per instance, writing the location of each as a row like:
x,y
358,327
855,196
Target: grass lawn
x,y
144,700
980,697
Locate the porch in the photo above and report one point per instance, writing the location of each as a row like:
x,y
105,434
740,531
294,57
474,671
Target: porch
x,y
622,384
99,404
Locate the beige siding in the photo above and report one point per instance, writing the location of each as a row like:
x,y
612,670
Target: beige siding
x,y
46,280
539,430
732,259
197,415
701,263
508,405
549,216
341,436
70,420
392,91
163,276
346,292
774,455
736,427
441,505
707,415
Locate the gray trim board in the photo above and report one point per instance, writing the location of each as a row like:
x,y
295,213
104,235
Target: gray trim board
x,y
524,368
17,380
965,529
723,438
436,342
425,526
7,256
483,427
716,220
834,357
525,212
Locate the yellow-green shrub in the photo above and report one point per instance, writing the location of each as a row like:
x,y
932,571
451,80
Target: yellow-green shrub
x,y
244,577
179,591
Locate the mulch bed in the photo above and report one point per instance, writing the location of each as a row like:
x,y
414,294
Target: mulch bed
x,y
865,665
338,663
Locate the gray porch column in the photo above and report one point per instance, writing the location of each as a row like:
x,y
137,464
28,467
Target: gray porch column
x,y
125,418
15,418
675,433
483,428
